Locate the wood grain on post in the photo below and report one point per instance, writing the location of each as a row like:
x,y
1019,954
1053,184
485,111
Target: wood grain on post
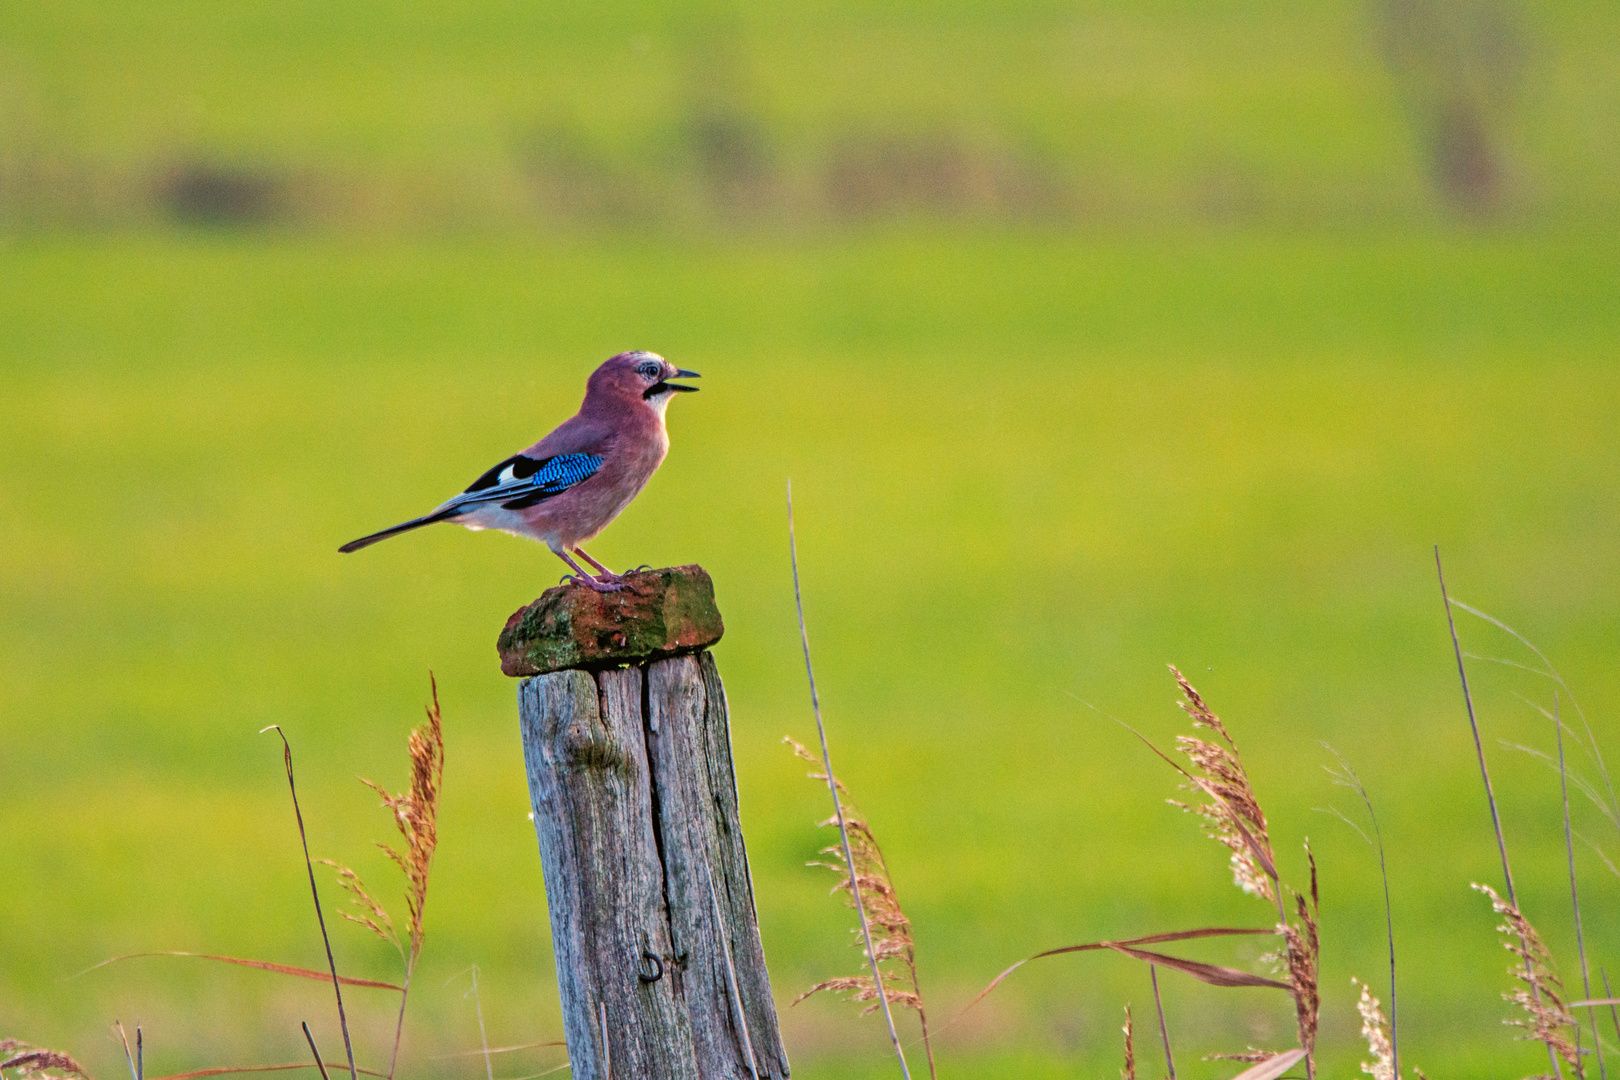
x,y
627,744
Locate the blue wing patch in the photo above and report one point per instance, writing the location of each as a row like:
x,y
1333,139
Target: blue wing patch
x,y
521,481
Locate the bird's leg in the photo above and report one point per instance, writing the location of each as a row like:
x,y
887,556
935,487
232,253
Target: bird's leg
x,y
585,579
602,572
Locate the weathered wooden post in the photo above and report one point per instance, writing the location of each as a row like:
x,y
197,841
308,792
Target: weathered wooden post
x,y
628,749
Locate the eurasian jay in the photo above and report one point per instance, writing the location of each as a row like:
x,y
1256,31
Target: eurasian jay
x,y
566,488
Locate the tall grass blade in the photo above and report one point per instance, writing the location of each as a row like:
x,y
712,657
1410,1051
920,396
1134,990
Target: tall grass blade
x,y
316,1054
1094,946
1574,894
1612,811
1485,775
262,965
128,1056
832,788
1613,1014
309,865
1164,1029
231,1070
1349,778
416,815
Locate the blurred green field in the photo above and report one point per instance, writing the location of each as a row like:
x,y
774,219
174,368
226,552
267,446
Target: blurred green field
x,y
1033,460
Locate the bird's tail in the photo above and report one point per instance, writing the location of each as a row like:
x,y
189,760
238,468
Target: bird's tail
x,y
404,526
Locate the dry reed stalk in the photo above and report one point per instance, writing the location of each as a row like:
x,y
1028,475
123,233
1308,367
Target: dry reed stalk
x,y
1234,818
1548,1019
35,1063
879,990
1574,894
136,1061
316,1054
1164,1029
416,815
232,1070
1349,778
1375,1029
889,929
1129,1071
1614,1015
309,866
1212,974
1304,960
1490,794
262,965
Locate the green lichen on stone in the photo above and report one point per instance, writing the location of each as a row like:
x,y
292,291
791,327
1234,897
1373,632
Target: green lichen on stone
x,y
663,613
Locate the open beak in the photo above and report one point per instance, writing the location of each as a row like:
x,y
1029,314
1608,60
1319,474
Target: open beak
x,y
682,373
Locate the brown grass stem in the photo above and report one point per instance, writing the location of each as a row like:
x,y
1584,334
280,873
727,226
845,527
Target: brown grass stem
x,y
1614,1015
232,1070
309,866
607,1050
123,1037
1484,772
262,965
1164,1029
315,1053
838,810
1473,725
1574,894
416,816
1128,1072
1349,778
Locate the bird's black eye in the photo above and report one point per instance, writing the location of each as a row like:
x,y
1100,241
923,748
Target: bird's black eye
x,y
649,370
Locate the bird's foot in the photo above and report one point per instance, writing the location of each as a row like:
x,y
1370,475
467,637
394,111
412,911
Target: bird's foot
x,y
605,585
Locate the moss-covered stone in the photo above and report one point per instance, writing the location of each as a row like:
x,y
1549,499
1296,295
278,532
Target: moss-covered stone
x,y
663,613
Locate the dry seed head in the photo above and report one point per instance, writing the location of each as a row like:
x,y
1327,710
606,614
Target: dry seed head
x,y
375,917
889,928
1547,1019
800,751
31,1063
1375,1029
1129,1071
1232,816
1194,707
416,815
1302,950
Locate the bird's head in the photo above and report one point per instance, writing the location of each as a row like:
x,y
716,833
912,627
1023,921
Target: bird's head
x,y
637,378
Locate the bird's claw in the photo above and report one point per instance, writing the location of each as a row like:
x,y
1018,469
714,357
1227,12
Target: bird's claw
x,y
601,586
